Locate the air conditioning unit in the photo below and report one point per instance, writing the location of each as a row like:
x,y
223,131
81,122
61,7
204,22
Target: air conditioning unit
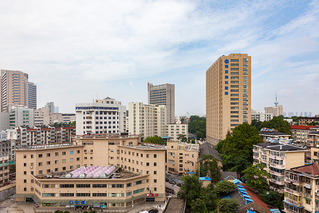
x,y
31,167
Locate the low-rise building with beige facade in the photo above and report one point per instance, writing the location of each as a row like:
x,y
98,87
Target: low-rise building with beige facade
x,y
277,158
182,157
106,170
43,116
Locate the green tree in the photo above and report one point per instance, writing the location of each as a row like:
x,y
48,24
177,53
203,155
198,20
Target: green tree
x,y
209,166
277,123
239,146
256,177
197,126
219,146
256,124
73,123
227,205
224,187
273,198
155,139
182,137
189,192
295,119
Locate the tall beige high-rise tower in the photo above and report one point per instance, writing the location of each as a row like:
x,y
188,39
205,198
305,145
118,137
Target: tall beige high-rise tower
x,y
13,88
163,94
228,95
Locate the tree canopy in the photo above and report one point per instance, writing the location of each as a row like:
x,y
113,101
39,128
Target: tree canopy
x,y
237,148
197,126
155,139
256,177
209,167
277,123
190,189
228,205
224,187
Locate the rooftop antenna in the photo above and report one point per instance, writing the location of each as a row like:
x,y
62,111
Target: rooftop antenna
x,y
276,102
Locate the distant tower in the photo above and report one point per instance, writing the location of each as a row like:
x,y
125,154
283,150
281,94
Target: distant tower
x,y
276,102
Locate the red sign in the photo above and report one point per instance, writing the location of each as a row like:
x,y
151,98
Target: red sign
x,y
147,195
152,195
156,195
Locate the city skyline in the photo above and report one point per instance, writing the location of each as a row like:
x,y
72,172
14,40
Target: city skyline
x,y
75,52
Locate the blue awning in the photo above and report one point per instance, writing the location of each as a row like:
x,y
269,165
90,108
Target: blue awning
x,y
244,193
204,178
240,186
250,211
292,204
236,181
247,196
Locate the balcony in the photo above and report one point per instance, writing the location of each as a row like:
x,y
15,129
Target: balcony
x,y
295,182
254,163
298,204
278,166
277,182
276,173
307,195
277,157
294,192
256,157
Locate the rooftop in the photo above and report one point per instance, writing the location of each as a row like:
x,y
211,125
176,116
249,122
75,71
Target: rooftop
x,y
312,169
53,146
90,172
105,136
281,147
147,146
207,149
301,127
272,133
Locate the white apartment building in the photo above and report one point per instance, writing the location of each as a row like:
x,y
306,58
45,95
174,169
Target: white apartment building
x,y
43,116
276,110
102,116
261,115
146,120
38,135
20,116
4,120
174,130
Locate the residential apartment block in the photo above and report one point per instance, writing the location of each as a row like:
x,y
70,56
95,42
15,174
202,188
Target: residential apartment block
x,y
38,135
302,189
16,90
182,157
20,116
146,120
277,158
308,120
102,116
228,95
300,133
261,116
108,170
43,116
174,130
163,94
4,170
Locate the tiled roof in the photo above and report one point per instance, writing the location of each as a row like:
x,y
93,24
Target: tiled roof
x,y
312,169
301,127
255,197
206,149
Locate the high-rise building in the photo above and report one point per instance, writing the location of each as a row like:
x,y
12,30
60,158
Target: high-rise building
x,y
32,95
102,116
261,116
163,94
21,116
146,120
16,90
50,106
228,95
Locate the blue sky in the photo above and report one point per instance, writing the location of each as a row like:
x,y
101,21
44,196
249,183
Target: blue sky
x,y
76,51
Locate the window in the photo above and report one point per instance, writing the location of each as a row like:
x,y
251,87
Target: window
x,y
147,164
63,168
48,154
71,159
78,151
234,73
116,185
83,185
155,172
66,185
98,185
234,69
83,194
155,164
155,156
71,152
234,60
40,163
40,172
66,194
24,164
56,154
234,65
25,181
31,156
40,155
48,162
63,160
99,194
56,161
48,170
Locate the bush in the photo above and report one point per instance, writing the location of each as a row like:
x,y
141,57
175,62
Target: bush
x,y
92,211
66,212
85,212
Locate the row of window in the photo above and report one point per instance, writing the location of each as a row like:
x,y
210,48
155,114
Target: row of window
x,y
55,154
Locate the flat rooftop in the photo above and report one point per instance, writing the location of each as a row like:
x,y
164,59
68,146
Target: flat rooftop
x,y
281,147
105,135
147,146
91,172
51,146
272,133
